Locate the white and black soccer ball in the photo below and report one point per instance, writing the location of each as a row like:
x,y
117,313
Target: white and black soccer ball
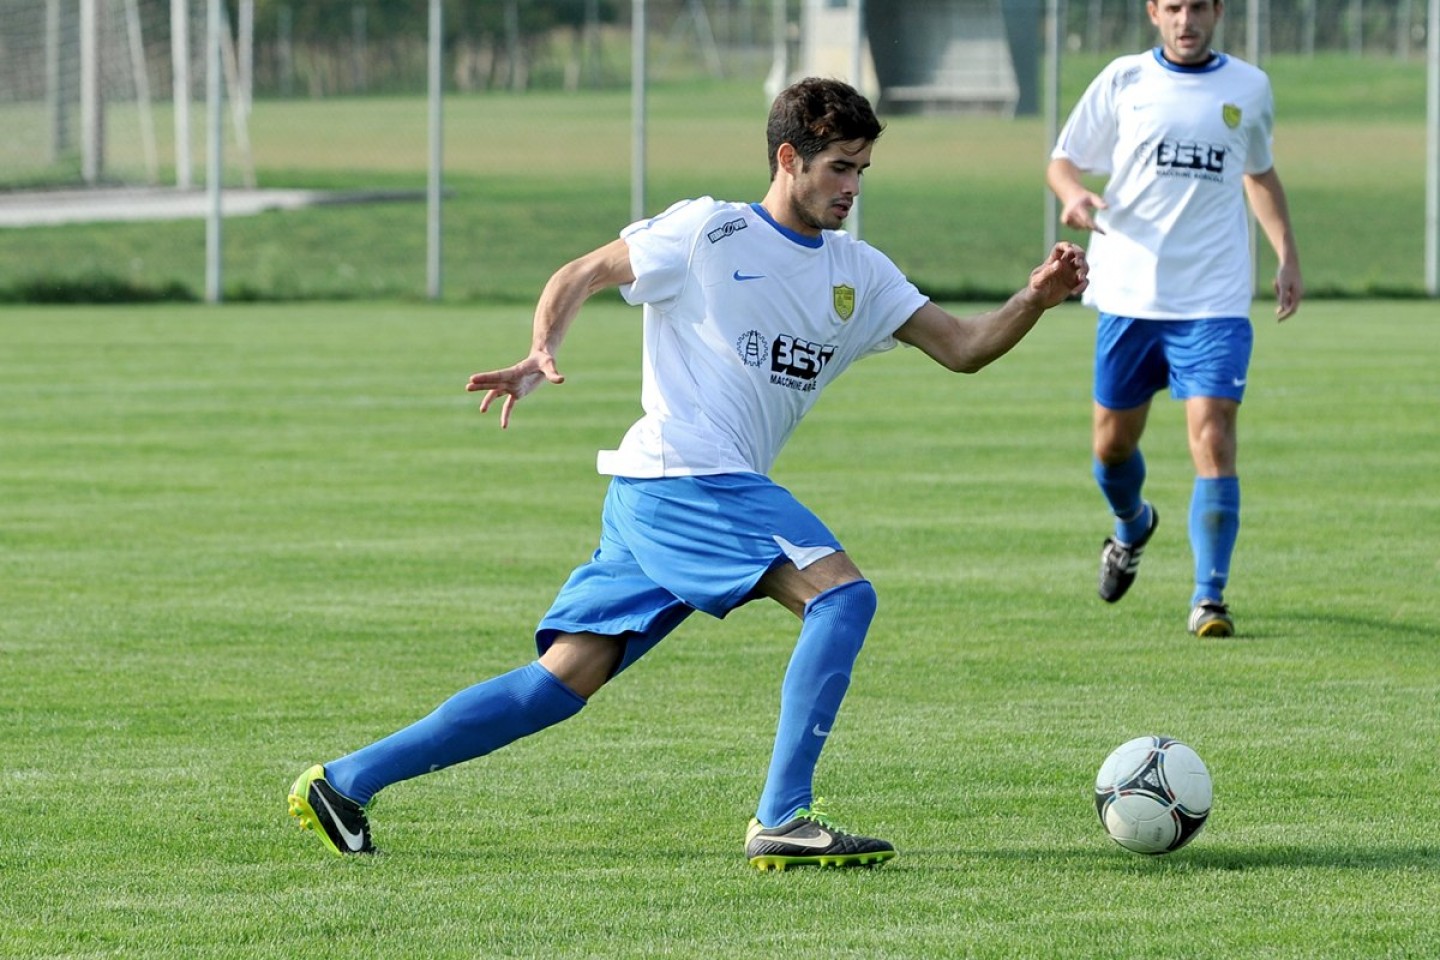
x,y
1153,795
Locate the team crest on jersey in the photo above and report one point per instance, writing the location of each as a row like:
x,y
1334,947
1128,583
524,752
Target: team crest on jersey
x,y
843,298
1231,115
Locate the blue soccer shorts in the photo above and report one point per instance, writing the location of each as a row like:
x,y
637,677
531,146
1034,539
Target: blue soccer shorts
x,y
1135,359
673,545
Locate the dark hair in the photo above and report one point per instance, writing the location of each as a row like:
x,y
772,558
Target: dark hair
x,y
813,113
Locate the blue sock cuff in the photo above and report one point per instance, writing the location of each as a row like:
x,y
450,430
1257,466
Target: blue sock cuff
x,y
855,596
544,686
1222,491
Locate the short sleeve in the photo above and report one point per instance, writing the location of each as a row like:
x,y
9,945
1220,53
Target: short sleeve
x,y
1089,135
893,300
660,250
1260,153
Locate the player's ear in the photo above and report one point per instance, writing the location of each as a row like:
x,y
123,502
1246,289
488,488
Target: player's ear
x,y
788,158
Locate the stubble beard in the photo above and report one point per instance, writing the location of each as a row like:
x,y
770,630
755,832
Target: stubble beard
x,y
802,207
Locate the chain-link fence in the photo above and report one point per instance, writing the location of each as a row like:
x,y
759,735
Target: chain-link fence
x,y
330,93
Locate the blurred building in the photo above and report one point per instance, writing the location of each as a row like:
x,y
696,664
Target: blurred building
x,y
930,56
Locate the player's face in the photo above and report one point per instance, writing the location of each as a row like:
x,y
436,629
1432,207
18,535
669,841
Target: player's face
x,y
822,192
1186,27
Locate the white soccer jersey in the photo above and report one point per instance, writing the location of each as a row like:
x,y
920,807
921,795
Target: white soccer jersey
x,y
1175,142
745,322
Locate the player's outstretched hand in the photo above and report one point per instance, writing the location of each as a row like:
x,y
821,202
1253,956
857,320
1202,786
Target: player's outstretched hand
x,y
1064,273
514,383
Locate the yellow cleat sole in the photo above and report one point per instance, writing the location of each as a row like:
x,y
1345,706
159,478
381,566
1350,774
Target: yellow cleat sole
x,y
849,860
301,810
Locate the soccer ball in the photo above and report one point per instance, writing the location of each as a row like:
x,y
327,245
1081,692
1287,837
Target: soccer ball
x,y
1153,795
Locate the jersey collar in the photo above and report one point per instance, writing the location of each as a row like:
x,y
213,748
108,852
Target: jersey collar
x,y
1216,61
786,232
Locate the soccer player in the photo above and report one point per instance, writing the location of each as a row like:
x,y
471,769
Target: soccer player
x,y
1184,134
750,311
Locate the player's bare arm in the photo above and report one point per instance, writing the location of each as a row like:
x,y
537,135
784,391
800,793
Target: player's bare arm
x,y
1078,202
1267,199
565,293
967,345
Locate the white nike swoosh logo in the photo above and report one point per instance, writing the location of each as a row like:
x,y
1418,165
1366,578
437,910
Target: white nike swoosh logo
x,y
820,733
809,843
353,841
1239,381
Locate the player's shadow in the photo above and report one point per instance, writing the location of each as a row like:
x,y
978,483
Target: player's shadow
x,y
1221,857
1303,623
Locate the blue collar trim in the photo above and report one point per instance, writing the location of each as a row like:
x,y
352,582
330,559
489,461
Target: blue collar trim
x,y
800,238
1216,61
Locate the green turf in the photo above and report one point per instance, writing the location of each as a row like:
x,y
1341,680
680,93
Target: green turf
x,y
234,542
533,180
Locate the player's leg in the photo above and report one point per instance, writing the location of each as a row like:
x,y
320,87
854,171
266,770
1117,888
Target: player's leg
x,y
1210,360
836,605
1214,509
331,798
606,616
1129,368
717,542
720,541
482,718
1119,468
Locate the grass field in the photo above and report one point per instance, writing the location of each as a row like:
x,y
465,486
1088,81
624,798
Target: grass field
x,y
536,179
235,542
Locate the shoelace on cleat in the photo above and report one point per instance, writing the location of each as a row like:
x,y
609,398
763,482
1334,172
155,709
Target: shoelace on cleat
x,y
814,813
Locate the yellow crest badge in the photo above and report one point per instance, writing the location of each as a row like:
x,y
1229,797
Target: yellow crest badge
x,y
1231,115
843,297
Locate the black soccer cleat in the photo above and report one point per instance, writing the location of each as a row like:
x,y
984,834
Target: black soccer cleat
x,y
1119,562
812,839
340,821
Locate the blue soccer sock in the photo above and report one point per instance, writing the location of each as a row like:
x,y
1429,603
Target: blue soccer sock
x,y
1214,525
815,683
1121,484
472,723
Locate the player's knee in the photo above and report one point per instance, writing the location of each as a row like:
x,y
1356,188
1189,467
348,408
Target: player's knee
x,y
855,601
1110,454
1114,447
582,662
